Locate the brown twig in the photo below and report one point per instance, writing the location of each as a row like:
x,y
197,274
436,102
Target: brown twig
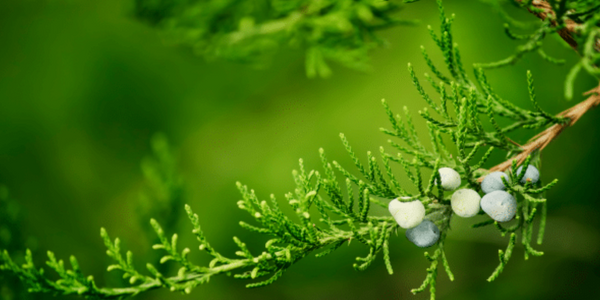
x,y
542,139
566,33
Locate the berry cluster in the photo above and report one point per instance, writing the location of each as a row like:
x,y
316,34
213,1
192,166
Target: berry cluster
x,y
500,205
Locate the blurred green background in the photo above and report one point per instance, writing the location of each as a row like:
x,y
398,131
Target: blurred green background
x,y
84,87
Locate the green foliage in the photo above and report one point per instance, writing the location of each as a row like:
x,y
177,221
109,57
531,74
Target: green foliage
x,y
332,206
162,196
11,239
583,15
163,191
250,31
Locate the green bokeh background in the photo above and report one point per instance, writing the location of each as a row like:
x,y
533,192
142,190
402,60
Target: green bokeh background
x,y
84,86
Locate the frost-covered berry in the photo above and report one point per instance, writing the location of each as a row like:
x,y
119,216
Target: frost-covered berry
x,y
425,235
450,179
465,203
493,182
499,205
531,173
407,214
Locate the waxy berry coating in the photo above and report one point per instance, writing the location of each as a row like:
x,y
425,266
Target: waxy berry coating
x,y
499,205
407,214
465,203
493,182
450,179
425,235
531,173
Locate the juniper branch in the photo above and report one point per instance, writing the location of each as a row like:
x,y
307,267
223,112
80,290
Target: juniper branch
x,y
245,32
543,10
541,140
294,237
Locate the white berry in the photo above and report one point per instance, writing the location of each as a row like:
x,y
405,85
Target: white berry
x,y
465,203
407,214
425,235
450,179
499,205
493,182
531,173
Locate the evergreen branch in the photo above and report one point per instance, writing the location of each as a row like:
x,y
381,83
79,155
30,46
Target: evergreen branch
x,y
504,231
276,260
532,97
422,91
386,158
543,10
12,239
497,6
163,193
508,108
549,58
445,262
533,44
504,256
433,67
244,32
294,237
431,278
515,36
484,223
541,140
541,231
359,166
570,81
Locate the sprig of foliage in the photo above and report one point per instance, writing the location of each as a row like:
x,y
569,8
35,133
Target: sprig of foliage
x,y
163,189
11,239
163,193
576,22
250,31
